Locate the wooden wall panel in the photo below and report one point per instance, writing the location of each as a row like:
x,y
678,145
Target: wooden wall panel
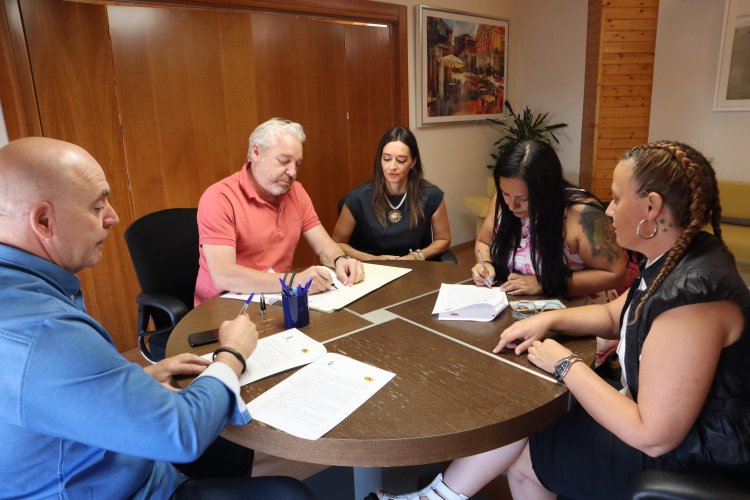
x,y
287,51
187,99
70,54
621,40
16,83
371,101
166,104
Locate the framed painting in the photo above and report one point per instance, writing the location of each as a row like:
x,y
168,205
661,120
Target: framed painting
x,y
462,66
733,79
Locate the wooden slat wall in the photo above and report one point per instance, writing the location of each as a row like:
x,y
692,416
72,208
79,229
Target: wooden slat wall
x,y
617,96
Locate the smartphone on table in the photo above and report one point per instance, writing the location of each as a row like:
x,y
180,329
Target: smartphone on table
x,y
202,338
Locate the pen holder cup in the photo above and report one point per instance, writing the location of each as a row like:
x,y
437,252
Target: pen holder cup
x,y
296,312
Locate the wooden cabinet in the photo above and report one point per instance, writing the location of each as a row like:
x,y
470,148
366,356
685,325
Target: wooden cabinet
x,y
165,97
620,45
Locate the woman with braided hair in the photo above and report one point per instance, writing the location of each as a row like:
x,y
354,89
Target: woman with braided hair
x,y
684,347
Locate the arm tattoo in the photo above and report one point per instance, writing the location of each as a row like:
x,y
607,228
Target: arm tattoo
x,y
598,229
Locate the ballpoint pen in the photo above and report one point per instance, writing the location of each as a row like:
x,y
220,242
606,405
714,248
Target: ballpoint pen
x,y
487,281
247,303
262,304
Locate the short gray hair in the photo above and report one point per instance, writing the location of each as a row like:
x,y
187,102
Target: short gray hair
x,y
266,133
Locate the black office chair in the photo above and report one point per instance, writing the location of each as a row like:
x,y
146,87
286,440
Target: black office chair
x,y
671,485
164,249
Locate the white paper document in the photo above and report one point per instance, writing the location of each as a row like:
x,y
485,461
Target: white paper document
x,y
280,352
319,396
375,276
469,303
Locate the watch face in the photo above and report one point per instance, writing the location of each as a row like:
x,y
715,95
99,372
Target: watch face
x,y
562,367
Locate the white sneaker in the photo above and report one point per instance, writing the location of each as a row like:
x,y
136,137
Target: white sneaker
x,y
436,490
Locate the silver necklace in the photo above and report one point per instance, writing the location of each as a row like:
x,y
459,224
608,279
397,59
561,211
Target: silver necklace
x,y
394,214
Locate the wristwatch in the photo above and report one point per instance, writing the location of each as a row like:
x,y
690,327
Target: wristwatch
x,y
562,366
343,256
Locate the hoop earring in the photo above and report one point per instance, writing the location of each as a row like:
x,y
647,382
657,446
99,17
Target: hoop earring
x,y
638,230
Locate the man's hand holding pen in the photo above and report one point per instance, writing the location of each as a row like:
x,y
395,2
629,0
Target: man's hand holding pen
x,y
238,335
320,276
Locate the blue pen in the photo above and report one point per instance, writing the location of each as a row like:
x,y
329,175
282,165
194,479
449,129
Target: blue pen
x,y
307,285
284,288
247,303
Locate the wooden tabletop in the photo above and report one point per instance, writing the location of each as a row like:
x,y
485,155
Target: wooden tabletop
x,y
451,396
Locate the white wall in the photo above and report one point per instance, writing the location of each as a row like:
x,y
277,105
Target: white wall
x,y
548,58
688,41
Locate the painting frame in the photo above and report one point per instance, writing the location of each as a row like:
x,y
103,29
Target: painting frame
x,y
463,77
733,75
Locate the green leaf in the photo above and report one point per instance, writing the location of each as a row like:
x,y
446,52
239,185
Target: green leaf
x,y
523,127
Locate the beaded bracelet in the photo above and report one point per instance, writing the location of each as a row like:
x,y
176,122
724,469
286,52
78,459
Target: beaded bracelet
x,y
233,352
418,255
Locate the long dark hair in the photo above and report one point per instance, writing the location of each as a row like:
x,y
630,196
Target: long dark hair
x,y
536,164
414,181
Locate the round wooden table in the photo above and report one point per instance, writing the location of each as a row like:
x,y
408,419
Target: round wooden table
x,y
451,396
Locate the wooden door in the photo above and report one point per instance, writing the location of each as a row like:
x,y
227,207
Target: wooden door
x,y
186,95
166,96
71,62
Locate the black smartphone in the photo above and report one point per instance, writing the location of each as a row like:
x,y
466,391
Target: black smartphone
x,y
202,338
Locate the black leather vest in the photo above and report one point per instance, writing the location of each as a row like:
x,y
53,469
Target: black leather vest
x,y
721,433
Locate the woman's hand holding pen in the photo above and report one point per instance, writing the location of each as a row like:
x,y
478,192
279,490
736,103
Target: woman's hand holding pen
x,y
483,274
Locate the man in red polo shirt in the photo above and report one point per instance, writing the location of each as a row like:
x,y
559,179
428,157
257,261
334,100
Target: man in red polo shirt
x,y
250,222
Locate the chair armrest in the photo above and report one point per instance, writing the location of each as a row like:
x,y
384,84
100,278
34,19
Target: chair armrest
x,y
671,485
447,256
174,308
737,221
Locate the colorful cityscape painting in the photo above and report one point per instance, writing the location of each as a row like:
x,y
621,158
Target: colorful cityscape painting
x,y
463,66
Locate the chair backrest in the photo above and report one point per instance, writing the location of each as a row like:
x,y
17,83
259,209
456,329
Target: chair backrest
x,y
164,248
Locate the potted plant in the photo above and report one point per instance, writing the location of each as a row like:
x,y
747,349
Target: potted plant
x,y
523,127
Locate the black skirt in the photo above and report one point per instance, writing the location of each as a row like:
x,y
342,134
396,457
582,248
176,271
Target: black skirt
x,y
577,458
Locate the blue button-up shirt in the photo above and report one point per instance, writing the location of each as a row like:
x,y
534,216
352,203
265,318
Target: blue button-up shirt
x,y
77,420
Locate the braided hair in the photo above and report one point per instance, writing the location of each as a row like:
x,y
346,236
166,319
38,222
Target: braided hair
x,y
686,181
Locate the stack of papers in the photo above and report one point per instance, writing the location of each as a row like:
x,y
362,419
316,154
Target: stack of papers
x,y
469,303
375,276
280,352
318,397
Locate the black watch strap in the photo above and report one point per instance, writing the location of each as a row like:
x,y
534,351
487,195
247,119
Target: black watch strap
x,y
343,256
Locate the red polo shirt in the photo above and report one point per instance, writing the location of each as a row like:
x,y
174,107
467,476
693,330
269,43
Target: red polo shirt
x,y
231,213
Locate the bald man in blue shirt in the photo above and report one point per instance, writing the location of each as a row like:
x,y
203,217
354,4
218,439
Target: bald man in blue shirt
x,y
77,420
